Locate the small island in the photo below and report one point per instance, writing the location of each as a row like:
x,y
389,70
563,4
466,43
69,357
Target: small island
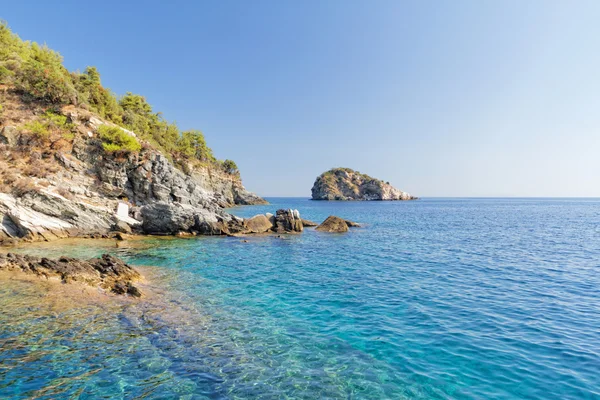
x,y
347,184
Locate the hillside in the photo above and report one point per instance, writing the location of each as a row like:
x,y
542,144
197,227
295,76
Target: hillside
x,y
71,153
347,184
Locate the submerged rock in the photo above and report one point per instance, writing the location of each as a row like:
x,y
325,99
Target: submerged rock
x,y
346,184
333,224
107,272
351,224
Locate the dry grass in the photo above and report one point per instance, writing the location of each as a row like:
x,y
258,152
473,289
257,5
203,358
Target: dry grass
x,y
24,186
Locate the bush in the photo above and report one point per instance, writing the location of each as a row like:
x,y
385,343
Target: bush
x,y
192,144
37,128
43,77
230,167
116,140
51,127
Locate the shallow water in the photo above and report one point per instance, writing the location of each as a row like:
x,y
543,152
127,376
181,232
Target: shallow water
x,y
437,298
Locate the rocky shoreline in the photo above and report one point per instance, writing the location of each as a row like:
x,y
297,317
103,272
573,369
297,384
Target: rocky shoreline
x,y
112,275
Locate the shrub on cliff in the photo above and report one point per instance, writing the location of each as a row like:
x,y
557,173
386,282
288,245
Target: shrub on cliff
x,y
50,129
230,167
192,144
116,140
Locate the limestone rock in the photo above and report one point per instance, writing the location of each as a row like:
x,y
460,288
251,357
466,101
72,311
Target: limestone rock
x,y
9,136
174,219
333,224
167,218
45,216
122,227
346,184
259,224
288,221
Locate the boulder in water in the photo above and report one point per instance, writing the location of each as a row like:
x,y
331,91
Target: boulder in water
x,y
258,224
333,224
288,221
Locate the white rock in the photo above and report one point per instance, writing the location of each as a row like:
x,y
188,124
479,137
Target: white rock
x,y
122,210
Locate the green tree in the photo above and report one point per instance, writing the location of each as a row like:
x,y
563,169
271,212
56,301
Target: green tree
x,y
230,167
192,144
43,77
100,99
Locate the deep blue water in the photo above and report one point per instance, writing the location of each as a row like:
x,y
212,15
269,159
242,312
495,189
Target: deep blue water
x,y
431,299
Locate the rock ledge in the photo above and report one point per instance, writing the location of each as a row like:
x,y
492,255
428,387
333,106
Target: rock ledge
x,y
108,272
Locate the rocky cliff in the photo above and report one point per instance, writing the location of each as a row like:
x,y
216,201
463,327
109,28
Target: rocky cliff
x,y
72,187
346,184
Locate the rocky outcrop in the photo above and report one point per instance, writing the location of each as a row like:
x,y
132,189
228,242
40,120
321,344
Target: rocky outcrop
x,y
333,224
288,221
284,221
43,215
175,218
107,272
77,191
259,224
346,184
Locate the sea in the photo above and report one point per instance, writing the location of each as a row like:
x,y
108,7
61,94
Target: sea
x,y
439,298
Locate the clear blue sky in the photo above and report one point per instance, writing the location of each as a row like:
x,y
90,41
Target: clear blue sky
x,y
441,98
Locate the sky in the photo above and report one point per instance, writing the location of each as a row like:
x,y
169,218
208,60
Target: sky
x,y
441,98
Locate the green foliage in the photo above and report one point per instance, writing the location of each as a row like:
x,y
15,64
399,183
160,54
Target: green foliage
x,y
139,117
230,167
116,140
34,69
37,128
50,126
13,51
39,74
91,91
192,144
5,73
43,77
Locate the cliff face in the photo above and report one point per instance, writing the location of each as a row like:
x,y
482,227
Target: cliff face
x,y
346,184
75,188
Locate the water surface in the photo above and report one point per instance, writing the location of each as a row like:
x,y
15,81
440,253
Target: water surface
x,y
436,298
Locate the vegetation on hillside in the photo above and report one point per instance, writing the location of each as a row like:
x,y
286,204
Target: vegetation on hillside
x,y
116,140
37,72
50,129
331,174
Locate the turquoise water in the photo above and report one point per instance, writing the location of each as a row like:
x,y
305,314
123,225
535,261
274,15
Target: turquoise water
x,y
431,299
